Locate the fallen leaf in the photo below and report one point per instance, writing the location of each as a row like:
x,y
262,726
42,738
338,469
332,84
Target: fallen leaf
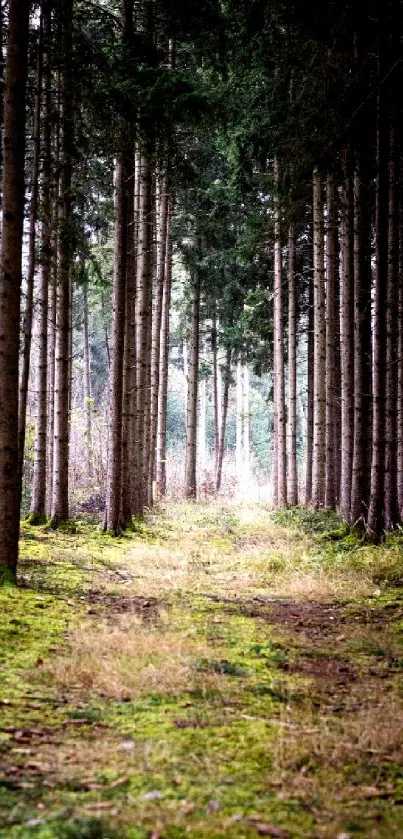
x,y
101,805
119,782
39,767
269,829
157,832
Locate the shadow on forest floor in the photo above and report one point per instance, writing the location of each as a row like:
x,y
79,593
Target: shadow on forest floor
x,y
223,672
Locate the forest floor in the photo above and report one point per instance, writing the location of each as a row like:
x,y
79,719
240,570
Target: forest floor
x,y
221,671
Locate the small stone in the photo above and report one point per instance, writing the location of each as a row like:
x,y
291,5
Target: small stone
x,y
154,795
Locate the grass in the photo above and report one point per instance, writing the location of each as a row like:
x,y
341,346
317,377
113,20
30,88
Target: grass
x,y
219,671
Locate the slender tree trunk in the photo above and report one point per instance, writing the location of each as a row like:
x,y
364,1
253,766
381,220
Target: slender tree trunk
x,y
164,355
214,348
113,497
292,489
391,510
162,227
310,398
400,359
60,499
10,282
239,422
375,522
331,316
246,423
38,503
224,415
87,384
143,316
347,341
33,217
279,379
201,432
191,418
319,407
362,347
52,326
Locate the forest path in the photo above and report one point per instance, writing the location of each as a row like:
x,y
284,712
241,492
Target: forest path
x,y
217,673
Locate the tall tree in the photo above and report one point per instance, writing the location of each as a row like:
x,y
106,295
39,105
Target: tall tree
x,y
279,377
319,402
38,501
10,281
292,489
191,418
60,498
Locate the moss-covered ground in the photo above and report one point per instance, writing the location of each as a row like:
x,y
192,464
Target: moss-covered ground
x,y
219,671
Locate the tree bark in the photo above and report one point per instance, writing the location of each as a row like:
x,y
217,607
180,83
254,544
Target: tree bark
x,y
38,503
400,359
224,415
60,499
279,378
192,399
310,397
375,521
319,406
391,509
10,282
292,489
239,422
332,455
347,339
164,355
162,210
33,218
87,383
112,520
143,318
362,348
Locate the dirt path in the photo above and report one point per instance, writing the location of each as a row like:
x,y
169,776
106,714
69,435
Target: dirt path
x,y
215,675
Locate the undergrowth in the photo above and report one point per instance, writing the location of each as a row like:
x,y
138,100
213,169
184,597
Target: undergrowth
x,y
216,671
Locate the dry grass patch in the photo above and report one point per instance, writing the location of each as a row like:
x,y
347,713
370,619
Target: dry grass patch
x,y
130,659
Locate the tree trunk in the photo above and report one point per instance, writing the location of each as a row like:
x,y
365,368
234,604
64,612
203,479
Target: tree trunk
x,y
239,422
214,349
362,347
332,315
310,398
143,317
224,415
33,217
38,503
162,210
375,521
347,340
60,500
279,379
164,355
400,360
246,466
87,384
292,489
10,282
319,401
391,510
192,399
201,433
113,496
